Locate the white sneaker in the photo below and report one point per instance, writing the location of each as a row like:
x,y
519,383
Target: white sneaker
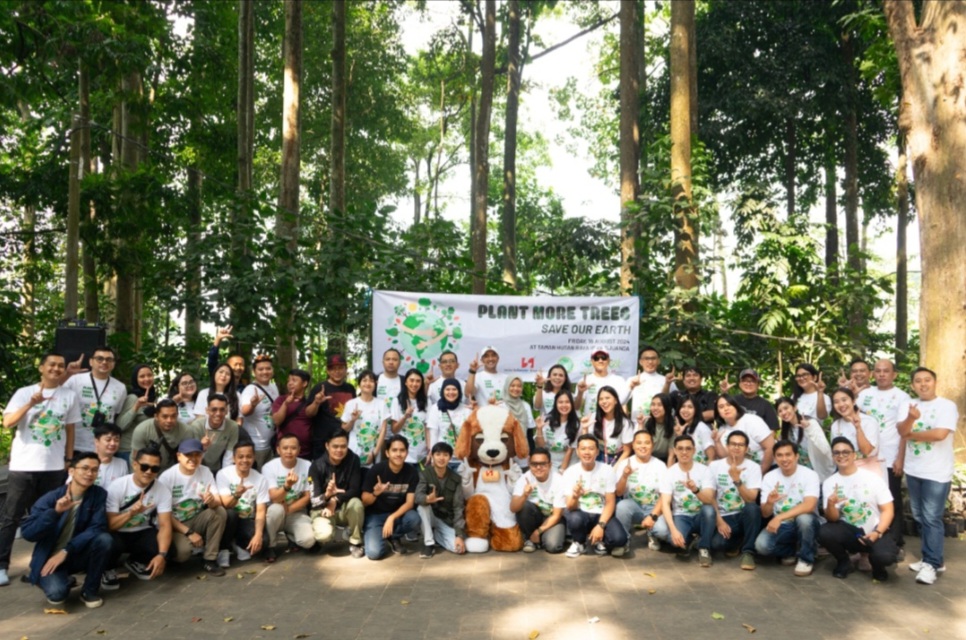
x,y
242,554
917,566
600,549
224,558
653,543
576,549
803,569
926,575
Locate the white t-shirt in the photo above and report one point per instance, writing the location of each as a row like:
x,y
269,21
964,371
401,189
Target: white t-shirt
x,y
597,483
275,473
703,440
807,404
859,496
556,440
683,501
388,388
649,385
257,493
40,440
889,408
614,446
188,492
644,483
186,411
123,490
259,423
488,385
108,473
933,460
365,431
756,430
446,425
727,494
595,383
546,495
112,394
432,393
414,430
870,427
201,403
804,483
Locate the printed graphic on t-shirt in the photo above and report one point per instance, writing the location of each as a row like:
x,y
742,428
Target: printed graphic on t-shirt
x,y
415,431
690,503
641,494
47,427
852,510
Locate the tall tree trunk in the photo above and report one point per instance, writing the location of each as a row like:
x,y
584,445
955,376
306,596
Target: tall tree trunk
x,y
88,222
481,155
852,239
192,315
337,203
933,119
630,138
286,220
72,263
693,76
417,199
831,216
902,274
129,144
514,73
791,160
472,142
685,230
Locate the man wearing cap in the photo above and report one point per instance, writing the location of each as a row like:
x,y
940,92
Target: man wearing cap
x,y
337,392
217,432
601,377
486,386
197,515
749,400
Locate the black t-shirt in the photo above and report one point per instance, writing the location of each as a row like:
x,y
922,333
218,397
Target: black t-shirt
x,y
399,485
704,400
329,418
760,407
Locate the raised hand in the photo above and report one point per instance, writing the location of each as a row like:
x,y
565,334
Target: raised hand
x,y
475,363
241,489
38,396
670,377
586,422
914,412
223,333
143,401
75,366
356,413
291,479
819,385
209,498
690,484
582,385
255,397
540,380
320,397
833,498
734,472
380,487
432,374
843,381
725,385
579,488
432,498
64,503
540,422
678,427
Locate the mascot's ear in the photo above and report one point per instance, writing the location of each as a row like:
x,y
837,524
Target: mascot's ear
x,y
521,448
470,428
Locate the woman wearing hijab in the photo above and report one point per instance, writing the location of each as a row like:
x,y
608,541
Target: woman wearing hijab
x,y
446,417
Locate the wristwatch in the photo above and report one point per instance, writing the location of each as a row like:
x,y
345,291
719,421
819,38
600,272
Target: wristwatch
x,y
738,482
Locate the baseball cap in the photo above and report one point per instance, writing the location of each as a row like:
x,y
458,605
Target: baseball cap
x,y
191,445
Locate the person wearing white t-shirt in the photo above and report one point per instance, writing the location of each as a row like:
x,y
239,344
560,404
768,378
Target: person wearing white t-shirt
x,y
539,505
256,409
288,482
929,463
101,396
611,426
648,382
861,430
686,491
448,364
184,390
600,377
446,416
107,439
244,494
737,518
639,480
197,515
364,418
549,387
859,511
43,417
813,447
590,499
408,416
730,416
889,405
809,392
132,504
559,430
389,382
485,387
790,498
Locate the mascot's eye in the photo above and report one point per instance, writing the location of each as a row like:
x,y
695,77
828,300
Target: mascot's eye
x,y
478,437
504,436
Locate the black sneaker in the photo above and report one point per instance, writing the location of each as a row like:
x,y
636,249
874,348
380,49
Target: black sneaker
x,y
270,556
212,569
91,601
428,551
396,545
843,569
880,574
109,581
356,550
138,569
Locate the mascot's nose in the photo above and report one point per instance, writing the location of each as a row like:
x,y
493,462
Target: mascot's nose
x,y
492,453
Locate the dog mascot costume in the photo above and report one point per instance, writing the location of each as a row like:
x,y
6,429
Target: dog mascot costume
x,y
490,440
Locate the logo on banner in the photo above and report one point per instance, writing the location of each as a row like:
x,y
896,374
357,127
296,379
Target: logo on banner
x,y
422,330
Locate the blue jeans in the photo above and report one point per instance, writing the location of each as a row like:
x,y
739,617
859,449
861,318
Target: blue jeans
x,y
435,531
579,524
744,529
928,500
375,544
92,558
630,513
685,524
800,533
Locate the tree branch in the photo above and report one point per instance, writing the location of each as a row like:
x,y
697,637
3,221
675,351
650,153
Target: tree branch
x,y
577,35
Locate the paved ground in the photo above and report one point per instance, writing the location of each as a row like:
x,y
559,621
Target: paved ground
x,y
649,595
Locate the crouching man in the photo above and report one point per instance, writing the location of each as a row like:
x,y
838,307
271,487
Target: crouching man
x,y
439,496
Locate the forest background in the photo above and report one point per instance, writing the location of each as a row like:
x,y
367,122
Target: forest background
x,y
167,166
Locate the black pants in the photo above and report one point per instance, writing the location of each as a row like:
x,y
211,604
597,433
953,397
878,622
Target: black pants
x,y
239,531
895,488
141,545
23,490
530,518
841,539
579,524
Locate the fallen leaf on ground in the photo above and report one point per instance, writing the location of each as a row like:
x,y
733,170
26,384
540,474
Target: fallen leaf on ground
x,y
196,619
56,611
268,627
239,576
201,577
251,572
594,620
101,632
651,592
24,638
717,616
750,628
404,602
297,636
650,574
229,619
534,635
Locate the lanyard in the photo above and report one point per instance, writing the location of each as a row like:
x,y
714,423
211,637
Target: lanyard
x,y
97,394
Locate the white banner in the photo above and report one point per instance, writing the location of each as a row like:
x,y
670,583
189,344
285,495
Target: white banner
x,y
529,333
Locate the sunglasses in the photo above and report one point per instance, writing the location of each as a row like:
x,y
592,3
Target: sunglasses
x,y
842,453
600,358
153,468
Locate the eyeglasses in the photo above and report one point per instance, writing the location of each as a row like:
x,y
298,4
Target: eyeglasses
x,y
539,464
842,453
738,445
85,469
102,359
650,358
600,358
153,468
447,361
801,376
187,383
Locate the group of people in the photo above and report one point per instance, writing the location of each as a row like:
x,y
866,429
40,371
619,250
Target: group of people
x,y
159,477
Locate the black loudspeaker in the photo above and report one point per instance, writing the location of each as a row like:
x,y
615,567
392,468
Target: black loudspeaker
x,y
73,339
